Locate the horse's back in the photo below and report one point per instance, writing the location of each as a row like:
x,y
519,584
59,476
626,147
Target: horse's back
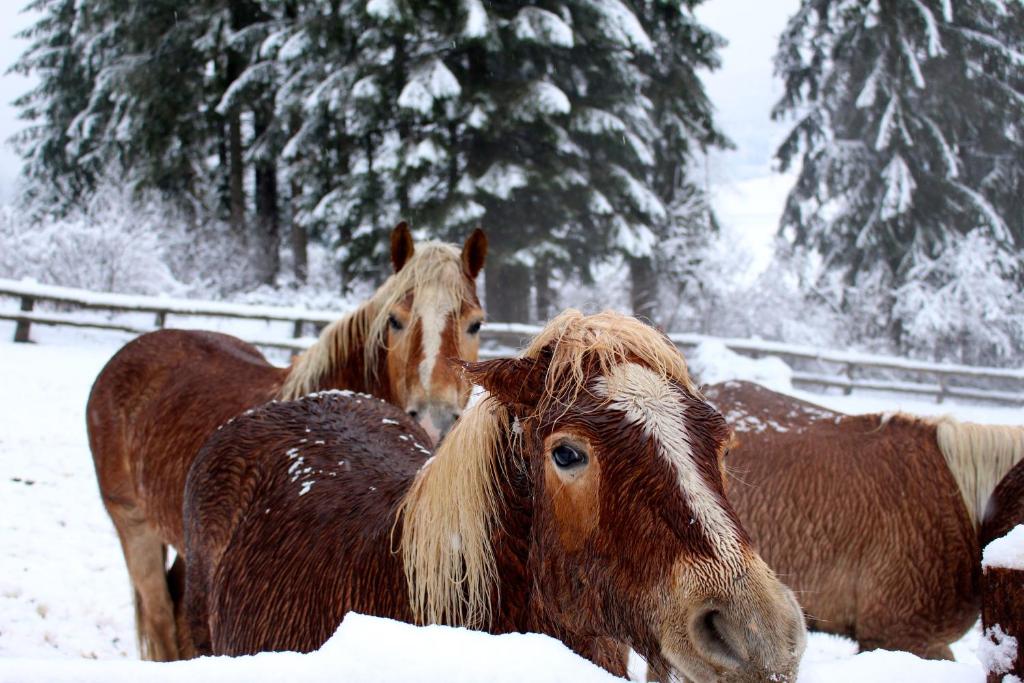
x,y
862,518
155,402
750,407
288,517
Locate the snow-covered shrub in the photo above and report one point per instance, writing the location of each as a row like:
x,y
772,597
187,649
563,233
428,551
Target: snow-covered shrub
x,y
963,305
321,291
712,362
112,244
775,304
121,242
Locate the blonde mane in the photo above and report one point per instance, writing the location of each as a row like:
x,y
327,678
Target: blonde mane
x,y
979,456
434,273
450,512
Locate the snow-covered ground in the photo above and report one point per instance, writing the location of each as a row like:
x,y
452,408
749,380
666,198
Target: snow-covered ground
x,y
64,591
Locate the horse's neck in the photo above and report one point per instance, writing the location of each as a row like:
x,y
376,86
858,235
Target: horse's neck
x,y
511,540
349,372
348,369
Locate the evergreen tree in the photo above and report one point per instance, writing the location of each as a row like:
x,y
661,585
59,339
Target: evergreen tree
x,y
682,119
911,132
62,92
564,128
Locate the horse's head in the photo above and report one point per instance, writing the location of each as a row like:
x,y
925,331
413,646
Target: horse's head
x,y
632,536
428,313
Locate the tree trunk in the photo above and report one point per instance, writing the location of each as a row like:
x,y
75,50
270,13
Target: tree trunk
x,y
268,219
236,173
542,290
1002,616
508,292
267,223
644,288
299,241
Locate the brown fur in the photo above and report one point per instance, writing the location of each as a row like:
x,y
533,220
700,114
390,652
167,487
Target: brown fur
x,y
160,397
487,534
861,515
750,407
1005,508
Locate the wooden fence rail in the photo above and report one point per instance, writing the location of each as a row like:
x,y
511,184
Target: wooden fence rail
x,y
813,367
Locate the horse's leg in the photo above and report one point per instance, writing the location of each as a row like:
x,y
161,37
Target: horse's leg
x,y
176,587
145,553
194,609
938,651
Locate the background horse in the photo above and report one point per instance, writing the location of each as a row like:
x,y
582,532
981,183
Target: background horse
x,y
750,407
163,394
873,520
582,498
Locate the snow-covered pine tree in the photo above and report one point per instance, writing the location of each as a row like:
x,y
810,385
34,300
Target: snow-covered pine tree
x,y
910,132
684,128
136,88
517,170
553,139
64,83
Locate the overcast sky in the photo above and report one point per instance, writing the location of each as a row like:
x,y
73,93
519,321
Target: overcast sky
x,y
746,193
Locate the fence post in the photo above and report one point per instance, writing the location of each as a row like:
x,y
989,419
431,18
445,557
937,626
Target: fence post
x,y
941,397
161,319
297,329
848,389
22,329
1002,589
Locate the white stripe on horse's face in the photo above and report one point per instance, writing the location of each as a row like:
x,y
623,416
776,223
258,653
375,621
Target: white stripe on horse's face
x,y
650,401
432,323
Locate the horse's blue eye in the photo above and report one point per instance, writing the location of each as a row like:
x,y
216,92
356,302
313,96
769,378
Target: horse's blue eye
x,y
474,328
395,323
567,456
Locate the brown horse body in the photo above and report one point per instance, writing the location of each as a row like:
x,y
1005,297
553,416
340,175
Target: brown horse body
x,y
160,397
870,519
750,407
581,498
289,477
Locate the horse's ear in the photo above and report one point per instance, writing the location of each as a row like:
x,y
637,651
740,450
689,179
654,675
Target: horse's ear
x,y
401,245
474,253
517,382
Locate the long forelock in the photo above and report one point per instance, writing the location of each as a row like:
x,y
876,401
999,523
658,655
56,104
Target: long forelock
x,y
435,276
650,402
584,346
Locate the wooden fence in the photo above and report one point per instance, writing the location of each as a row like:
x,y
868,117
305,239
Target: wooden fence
x,y
812,367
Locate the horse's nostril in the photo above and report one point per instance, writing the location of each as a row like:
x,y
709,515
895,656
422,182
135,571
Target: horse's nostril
x,y
455,417
414,414
713,637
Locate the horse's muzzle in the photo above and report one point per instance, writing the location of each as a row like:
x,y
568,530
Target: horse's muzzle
x,y
436,419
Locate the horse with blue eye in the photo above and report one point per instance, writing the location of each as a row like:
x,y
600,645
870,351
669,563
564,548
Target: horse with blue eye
x,y
582,497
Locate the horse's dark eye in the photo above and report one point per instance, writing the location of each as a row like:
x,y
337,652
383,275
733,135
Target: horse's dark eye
x,y
474,328
395,323
567,456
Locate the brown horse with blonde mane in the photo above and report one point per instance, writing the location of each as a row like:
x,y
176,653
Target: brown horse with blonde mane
x,y
161,396
873,520
582,497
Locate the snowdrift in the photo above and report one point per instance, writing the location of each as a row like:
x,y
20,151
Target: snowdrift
x,y
384,651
